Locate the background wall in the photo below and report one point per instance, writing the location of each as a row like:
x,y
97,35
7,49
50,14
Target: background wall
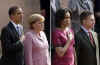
x,y
28,6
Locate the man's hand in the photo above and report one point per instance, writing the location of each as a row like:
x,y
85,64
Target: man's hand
x,y
22,38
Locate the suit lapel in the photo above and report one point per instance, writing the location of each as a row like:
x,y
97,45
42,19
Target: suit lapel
x,y
84,35
13,29
97,46
95,38
87,37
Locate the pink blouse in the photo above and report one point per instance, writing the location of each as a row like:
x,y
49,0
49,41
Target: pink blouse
x,y
59,39
36,49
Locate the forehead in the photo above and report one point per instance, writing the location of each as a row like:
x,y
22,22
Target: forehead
x,y
90,17
67,14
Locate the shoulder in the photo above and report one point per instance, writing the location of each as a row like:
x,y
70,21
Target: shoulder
x,y
5,28
42,33
56,32
4,32
79,34
94,33
29,33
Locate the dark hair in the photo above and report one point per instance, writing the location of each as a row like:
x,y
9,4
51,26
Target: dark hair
x,y
60,15
12,10
84,15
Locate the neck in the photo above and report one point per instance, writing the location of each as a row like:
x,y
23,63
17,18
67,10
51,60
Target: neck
x,y
14,21
88,29
36,31
62,29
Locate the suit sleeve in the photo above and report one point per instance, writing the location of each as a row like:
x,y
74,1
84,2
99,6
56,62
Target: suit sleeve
x,y
77,45
7,43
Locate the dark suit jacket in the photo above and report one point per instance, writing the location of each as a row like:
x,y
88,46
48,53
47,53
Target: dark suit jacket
x,y
12,48
87,54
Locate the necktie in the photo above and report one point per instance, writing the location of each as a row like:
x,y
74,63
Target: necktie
x,y
91,38
18,30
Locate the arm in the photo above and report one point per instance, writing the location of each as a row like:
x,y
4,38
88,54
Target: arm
x,y
28,49
77,47
61,50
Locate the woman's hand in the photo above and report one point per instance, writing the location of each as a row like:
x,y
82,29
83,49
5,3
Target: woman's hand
x,y
70,36
60,51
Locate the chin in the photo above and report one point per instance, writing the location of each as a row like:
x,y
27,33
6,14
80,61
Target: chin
x,y
68,25
41,29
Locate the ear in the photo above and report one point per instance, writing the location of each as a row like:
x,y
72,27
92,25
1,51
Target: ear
x,y
12,16
33,25
84,22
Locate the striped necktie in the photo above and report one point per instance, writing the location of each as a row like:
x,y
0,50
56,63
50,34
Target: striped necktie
x,y
91,38
18,30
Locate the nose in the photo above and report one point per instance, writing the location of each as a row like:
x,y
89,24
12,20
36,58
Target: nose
x,y
42,24
93,22
21,15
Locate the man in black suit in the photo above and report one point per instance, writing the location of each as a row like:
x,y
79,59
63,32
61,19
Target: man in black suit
x,y
86,41
12,38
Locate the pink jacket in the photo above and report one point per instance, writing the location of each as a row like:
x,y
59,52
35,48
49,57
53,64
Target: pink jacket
x,y
36,49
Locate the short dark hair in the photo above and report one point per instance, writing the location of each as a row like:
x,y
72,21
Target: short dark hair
x,y
84,15
12,10
60,15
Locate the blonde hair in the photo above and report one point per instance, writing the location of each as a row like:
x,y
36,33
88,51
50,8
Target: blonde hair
x,y
34,18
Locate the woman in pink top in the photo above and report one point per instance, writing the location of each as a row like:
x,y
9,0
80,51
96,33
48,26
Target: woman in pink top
x,y
35,43
63,39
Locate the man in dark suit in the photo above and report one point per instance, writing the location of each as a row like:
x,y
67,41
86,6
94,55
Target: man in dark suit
x,y
12,38
86,41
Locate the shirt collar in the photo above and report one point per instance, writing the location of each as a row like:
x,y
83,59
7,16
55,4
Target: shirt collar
x,y
15,25
85,30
